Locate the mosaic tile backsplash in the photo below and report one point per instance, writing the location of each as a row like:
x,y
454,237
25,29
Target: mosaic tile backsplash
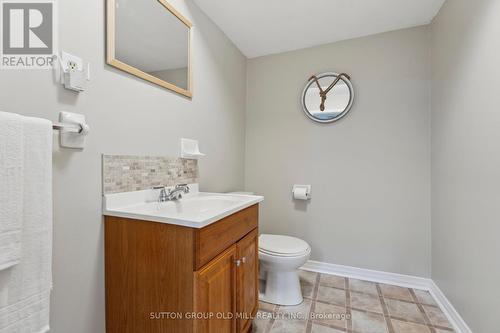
x,y
122,173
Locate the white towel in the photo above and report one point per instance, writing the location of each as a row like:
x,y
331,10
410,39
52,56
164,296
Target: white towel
x,y
11,188
25,287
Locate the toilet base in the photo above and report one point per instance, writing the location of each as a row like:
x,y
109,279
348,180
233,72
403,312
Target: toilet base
x,y
281,288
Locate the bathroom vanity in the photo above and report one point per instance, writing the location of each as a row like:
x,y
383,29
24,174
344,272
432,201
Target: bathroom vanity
x,y
185,266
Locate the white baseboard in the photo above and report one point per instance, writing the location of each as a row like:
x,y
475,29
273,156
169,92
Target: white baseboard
x,y
454,317
401,280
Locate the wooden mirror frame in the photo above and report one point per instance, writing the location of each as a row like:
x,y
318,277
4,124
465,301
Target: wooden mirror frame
x,y
111,59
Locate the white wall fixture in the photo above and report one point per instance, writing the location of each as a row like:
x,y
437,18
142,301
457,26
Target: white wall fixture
x,y
190,149
74,72
73,130
301,192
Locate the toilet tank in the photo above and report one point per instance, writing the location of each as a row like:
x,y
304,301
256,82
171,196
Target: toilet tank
x,y
242,193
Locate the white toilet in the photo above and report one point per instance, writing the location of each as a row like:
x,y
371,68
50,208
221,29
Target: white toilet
x,y
280,257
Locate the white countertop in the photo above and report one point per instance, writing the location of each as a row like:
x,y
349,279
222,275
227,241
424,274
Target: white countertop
x,y
195,209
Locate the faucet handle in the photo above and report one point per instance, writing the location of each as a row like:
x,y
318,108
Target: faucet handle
x,y
163,192
183,186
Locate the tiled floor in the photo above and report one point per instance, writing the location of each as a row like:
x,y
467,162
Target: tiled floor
x,y
335,304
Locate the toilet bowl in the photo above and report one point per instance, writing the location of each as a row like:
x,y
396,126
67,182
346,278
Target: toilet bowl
x,y
279,258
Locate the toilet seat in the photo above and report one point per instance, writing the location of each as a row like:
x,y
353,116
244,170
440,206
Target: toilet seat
x,y
282,246
274,254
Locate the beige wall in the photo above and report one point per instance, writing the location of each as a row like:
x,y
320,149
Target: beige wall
x,y
370,172
127,116
466,159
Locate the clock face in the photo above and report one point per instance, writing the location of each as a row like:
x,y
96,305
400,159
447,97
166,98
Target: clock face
x,y
327,97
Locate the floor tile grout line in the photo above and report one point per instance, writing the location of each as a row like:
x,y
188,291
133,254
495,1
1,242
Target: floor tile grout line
x,y
383,313
313,302
385,309
422,310
348,305
442,328
353,308
269,325
317,283
316,286
369,312
272,319
388,297
420,323
395,317
320,323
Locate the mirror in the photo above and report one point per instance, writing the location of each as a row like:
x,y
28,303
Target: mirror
x,y
327,97
150,40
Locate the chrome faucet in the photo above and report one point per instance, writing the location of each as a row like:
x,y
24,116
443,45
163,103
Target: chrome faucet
x,y
176,193
171,195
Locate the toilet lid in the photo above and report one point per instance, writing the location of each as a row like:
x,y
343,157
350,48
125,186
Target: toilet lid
x,y
282,245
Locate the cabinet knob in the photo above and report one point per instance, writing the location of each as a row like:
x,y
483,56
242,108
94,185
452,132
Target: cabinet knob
x,y
237,262
243,260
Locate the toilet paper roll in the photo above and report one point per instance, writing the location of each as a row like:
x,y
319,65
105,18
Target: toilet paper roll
x,y
300,193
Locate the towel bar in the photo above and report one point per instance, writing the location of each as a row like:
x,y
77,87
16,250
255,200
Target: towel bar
x,y
72,128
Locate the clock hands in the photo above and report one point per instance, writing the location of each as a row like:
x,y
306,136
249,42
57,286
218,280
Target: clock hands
x,y
323,93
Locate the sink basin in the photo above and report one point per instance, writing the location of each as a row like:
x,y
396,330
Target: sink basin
x,y
196,209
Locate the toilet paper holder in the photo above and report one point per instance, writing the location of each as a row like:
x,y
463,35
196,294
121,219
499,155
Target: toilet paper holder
x,y
301,192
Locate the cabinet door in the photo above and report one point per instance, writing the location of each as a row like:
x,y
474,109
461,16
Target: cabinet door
x,y
248,280
215,294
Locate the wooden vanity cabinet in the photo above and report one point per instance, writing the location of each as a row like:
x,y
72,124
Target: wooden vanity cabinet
x,y
247,297
166,278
